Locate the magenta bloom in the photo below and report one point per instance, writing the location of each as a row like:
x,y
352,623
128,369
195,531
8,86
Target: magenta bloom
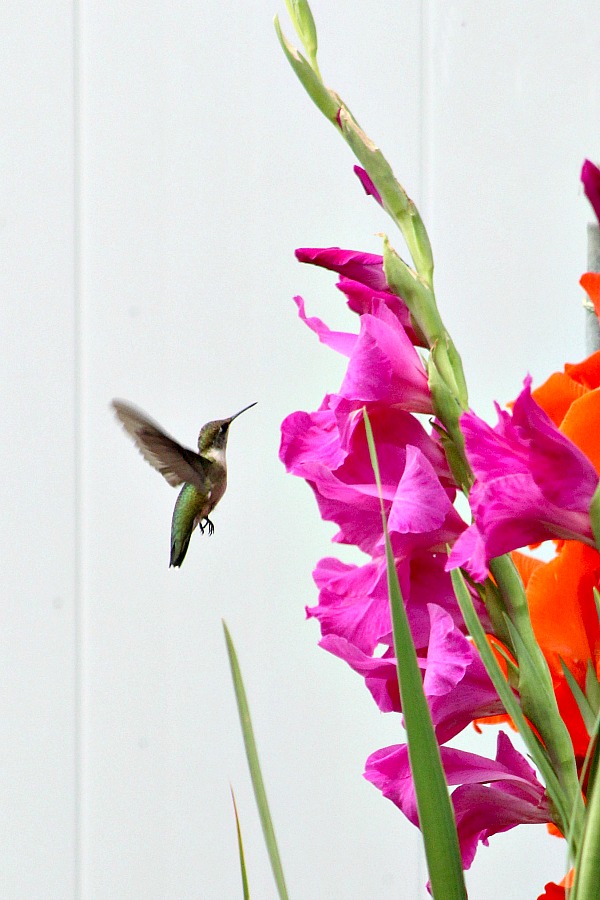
x,y
329,450
366,268
422,515
384,366
341,341
532,483
590,176
492,796
363,282
353,600
456,684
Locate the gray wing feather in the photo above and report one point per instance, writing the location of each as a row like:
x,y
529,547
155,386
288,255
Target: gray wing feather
x,y
175,463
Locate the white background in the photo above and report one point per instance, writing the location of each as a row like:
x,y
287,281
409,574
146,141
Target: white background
x,y
159,163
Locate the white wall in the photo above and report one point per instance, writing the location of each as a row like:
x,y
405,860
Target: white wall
x,y
159,163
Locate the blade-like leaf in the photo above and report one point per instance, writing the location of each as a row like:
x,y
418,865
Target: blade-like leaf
x,y
254,766
587,863
595,516
596,593
592,687
590,762
587,713
436,814
240,848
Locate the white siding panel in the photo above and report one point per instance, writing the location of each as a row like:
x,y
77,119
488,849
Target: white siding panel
x,y
37,491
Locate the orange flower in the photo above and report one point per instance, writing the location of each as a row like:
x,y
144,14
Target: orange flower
x,y
554,891
572,400
590,282
560,592
565,622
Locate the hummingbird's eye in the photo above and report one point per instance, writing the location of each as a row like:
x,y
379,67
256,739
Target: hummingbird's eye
x,y
224,427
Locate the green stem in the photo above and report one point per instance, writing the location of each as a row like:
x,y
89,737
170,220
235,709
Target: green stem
x,y
395,200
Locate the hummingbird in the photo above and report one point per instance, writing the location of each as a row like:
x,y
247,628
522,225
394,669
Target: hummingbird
x,y
203,474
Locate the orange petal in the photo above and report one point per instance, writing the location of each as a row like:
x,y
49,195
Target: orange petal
x,y
590,282
587,372
526,565
556,395
582,425
562,608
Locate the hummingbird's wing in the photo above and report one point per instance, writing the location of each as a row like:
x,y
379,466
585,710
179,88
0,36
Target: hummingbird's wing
x,y
175,463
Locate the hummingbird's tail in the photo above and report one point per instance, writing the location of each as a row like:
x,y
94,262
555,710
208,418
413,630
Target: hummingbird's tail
x,y
187,507
179,546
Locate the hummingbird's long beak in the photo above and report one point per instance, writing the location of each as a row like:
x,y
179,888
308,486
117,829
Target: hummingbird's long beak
x,y
242,410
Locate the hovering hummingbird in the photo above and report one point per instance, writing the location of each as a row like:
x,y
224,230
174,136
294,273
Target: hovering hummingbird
x,y
203,474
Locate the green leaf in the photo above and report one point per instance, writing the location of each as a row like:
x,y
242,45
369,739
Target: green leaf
x,y
436,814
393,196
254,766
587,863
596,593
587,713
240,848
595,516
592,687
537,695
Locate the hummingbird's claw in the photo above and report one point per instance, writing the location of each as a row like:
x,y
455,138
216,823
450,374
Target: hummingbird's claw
x,y
211,527
206,523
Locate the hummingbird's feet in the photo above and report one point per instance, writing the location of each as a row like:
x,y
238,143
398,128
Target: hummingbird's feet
x,y
204,524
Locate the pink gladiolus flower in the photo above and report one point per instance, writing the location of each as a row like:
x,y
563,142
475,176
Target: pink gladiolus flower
x,y
590,176
532,483
341,341
367,268
353,600
384,366
422,515
456,684
363,282
335,462
364,299
493,796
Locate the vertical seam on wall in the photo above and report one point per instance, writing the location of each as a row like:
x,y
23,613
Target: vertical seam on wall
x,y
424,112
422,873
78,453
